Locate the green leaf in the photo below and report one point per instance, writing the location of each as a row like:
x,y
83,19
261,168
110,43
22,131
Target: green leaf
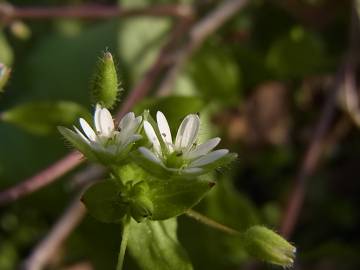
x,y
42,117
154,245
174,197
104,203
4,76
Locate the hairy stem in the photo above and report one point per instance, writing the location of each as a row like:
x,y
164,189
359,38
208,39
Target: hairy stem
x,y
124,240
210,222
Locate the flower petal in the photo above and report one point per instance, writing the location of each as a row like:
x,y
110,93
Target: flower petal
x,y
83,137
187,131
126,120
202,149
209,158
164,130
89,132
97,118
150,133
106,122
149,155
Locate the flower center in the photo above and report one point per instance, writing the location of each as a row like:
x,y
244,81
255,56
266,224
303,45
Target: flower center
x,y
175,160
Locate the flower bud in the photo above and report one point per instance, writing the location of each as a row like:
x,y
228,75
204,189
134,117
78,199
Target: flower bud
x,y
105,87
4,75
267,245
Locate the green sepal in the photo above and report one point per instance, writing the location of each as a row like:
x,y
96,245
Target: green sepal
x,y
104,202
221,162
175,196
154,245
77,142
105,86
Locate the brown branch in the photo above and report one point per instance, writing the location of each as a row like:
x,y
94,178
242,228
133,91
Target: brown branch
x,y
42,178
9,13
310,161
46,248
317,144
197,36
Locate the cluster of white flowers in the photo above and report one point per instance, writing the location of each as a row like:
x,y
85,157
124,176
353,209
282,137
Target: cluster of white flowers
x,y
183,157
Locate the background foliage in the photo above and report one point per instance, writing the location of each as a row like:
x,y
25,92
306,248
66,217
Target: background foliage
x,y
259,83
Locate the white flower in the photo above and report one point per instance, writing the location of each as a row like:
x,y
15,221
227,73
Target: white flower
x,y
184,156
106,141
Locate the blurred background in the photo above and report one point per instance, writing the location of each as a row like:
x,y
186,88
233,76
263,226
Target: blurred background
x,y
275,79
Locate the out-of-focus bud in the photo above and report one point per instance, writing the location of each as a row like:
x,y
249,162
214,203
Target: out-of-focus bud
x,y
20,30
105,86
4,76
267,245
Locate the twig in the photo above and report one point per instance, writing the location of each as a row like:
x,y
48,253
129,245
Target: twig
x,y
316,146
41,179
210,222
9,13
197,36
49,245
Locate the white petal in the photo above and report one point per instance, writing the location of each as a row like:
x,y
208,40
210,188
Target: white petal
x,y
89,132
81,135
187,131
97,118
202,149
164,130
106,122
150,133
132,139
126,120
149,155
209,158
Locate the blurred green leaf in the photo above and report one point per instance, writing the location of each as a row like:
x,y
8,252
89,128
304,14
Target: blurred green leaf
x,y
138,46
42,117
154,245
216,75
297,54
230,207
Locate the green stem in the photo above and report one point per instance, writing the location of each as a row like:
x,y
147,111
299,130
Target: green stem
x,y
124,240
210,222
